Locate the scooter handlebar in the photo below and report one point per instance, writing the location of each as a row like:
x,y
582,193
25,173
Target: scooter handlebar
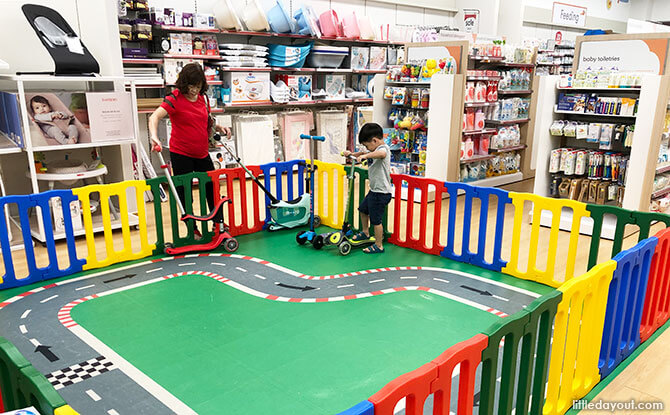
x,y
313,137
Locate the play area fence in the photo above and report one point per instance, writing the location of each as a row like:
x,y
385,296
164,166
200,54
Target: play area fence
x,y
547,355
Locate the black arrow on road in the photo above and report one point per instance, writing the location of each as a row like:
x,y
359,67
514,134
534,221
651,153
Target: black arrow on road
x,y
477,291
46,352
306,288
120,278
476,399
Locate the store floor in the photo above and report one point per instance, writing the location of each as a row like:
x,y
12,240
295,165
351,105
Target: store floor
x,y
644,379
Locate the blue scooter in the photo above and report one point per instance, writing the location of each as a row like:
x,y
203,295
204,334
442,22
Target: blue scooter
x,y
309,236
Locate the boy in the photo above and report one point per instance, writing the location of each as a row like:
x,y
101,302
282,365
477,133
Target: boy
x,y
379,171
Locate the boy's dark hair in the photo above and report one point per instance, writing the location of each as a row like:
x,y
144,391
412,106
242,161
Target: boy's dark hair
x,y
369,131
191,74
39,99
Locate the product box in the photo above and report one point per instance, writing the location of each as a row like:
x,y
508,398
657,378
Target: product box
x,y
300,86
172,67
333,85
572,102
248,87
181,44
377,57
25,411
360,57
59,220
205,45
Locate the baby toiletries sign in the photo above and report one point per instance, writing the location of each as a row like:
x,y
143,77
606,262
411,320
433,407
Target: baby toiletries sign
x,y
634,55
568,15
110,116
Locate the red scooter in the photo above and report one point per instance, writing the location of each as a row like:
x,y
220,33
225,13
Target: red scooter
x,y
221,234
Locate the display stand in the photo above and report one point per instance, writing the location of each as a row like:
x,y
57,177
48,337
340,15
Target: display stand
x,y
653,95
28,83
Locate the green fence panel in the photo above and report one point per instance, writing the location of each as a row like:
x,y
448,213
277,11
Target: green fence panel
x,y
532,327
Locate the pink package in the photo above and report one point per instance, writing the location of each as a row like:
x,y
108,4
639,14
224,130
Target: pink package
x,y
469,148
469,120
479,120
480,92
470,92
484,145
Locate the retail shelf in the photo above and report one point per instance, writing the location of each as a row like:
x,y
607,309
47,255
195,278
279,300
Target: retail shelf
x,y
145,111
518,65
479,104
370,71
507,122
144,61
188,29
484,131
146,85
244,69
588,114
64,78
329,70
7,146
83,145
477,158
498,180
483,78
178,56
214,82
548,64
302,103
506,149
660,193
515,92
663,169
631,89
486,59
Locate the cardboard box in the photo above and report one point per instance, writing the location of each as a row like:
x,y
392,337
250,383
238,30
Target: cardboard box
x,y
360,57
181,44
248,87
377,57
300,86
334,86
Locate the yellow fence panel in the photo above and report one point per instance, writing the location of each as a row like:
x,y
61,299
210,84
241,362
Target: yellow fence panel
x,y
578,330
330,183
555,206
106,191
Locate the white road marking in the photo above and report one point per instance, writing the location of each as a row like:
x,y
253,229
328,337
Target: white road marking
x,y
186,263
25,313
240,269
48,299
441,280
486,280
259,276
93,395
23,329
373,281
154,270
112,412
218,263
35,342
408,278
500,298
84,287
345,286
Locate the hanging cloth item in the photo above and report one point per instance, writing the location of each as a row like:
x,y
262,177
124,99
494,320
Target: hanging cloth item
x,y
333,126
255,140
292,124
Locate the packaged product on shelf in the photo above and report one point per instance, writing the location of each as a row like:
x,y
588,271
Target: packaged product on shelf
x,y
470,92
555,160
248,87
420,142
125,29
556,128
630,132
480,120
425,98
398,168
334,85
417,169
571,102
606,132
399,96
580,162
360,57
570,160
594,133
468,148
480,91
415,97
564,157
492,91
469,119
388,92
565,81
581,131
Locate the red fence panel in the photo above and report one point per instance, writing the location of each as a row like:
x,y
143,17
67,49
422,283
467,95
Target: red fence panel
x,y
235,179
656,309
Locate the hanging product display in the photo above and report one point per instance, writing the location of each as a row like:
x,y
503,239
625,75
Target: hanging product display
x,y
255,140
292,124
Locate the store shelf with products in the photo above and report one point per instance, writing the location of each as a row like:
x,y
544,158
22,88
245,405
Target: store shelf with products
x,y
502,144
588,157
555,59
39,146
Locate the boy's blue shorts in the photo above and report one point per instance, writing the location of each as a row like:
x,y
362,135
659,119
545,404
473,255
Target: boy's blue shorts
x,y
374,205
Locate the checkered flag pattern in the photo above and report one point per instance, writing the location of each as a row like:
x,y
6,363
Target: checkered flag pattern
x,y
79,372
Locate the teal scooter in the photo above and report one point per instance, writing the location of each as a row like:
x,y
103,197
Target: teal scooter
x,y
283,214
309,236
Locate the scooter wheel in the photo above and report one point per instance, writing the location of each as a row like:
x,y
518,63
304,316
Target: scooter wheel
x,y
317,221
318,242
344,248
299,238
231,245
167,246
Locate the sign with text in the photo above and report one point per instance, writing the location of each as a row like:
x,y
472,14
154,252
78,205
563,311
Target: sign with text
x,y
635,55
471,20
110,116
568,15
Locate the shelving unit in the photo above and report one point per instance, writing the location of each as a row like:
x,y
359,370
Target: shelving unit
x,y
22,84
644,150
555,59
484,63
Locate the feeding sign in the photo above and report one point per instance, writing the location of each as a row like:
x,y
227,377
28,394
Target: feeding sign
x,y
568,15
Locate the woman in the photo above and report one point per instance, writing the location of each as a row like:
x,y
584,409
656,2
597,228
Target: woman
x,y
188,109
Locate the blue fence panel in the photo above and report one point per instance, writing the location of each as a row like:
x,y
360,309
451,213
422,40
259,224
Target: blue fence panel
x,y
52,270
278,169
363,408
621,334
483,194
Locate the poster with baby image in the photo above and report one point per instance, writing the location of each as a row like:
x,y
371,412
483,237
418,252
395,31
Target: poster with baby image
x,y
58,118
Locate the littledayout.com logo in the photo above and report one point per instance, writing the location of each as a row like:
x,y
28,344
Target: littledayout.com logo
x,y
611,406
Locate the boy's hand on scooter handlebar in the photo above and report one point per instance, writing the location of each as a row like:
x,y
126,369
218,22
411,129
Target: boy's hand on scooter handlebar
x,y
360,158
346,153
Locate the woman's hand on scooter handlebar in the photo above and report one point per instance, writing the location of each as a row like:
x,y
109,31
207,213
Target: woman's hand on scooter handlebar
x,y
156,145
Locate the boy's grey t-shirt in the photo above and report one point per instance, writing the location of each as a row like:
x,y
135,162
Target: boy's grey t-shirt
x,y
379,172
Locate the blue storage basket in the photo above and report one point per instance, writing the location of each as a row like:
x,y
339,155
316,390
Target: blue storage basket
x,y
290,56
